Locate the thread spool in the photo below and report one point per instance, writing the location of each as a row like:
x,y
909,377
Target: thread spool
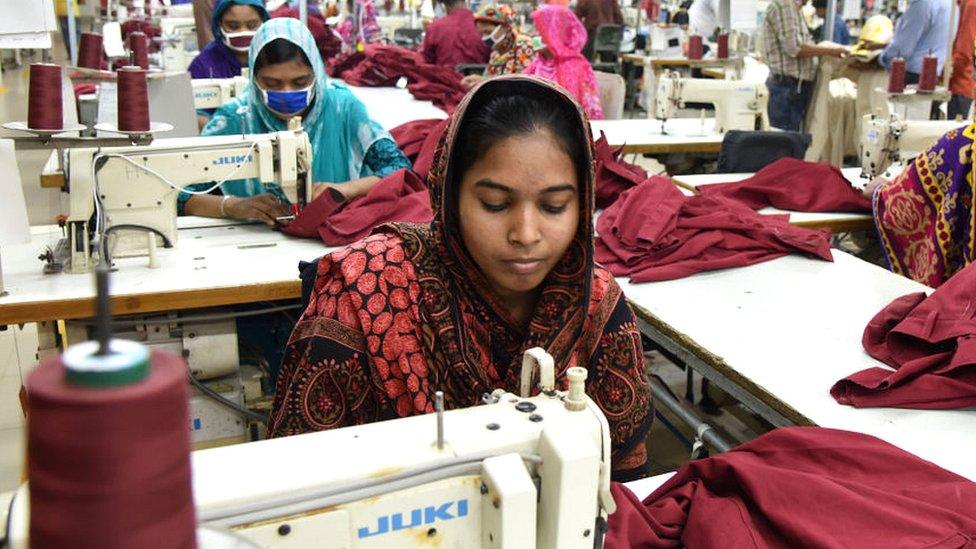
x,y
45,109
896,76
133,100
723,46
108,449
695,49
90,51
926,80
139,50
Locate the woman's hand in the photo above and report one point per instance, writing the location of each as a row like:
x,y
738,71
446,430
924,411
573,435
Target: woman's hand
x,y
874,184
350,189
266,208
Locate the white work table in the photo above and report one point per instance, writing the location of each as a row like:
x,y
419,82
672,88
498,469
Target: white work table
x,y
778,335
392,106
644,135
213,263
834,221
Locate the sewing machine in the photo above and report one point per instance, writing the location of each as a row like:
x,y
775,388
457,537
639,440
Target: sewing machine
x,y
176,33
515,472
889,139
211,93
738,105
131,191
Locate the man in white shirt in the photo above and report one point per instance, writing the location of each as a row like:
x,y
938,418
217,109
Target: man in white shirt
x,y
703,17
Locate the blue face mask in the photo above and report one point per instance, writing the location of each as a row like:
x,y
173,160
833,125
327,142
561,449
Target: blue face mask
x,y
288,103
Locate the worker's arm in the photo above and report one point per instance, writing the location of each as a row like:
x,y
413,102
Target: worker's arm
x,y
809,50
263,207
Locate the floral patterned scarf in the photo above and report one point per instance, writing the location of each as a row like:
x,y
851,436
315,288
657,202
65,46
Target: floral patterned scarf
x,y
925,216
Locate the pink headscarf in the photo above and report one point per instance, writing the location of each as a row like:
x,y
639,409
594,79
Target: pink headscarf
x,y
565,37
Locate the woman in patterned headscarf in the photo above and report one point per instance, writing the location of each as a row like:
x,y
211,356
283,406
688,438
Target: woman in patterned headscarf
x,y
511,51
506,265
925,216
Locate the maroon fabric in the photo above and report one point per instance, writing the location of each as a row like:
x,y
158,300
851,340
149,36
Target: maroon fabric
x,y
931,343
418,140
382,66
151,31
613,174
326,41
654,232
83,89
400,196
802,487
454,39
792,184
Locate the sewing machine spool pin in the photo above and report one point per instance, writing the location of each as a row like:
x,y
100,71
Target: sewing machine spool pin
x,y
439,409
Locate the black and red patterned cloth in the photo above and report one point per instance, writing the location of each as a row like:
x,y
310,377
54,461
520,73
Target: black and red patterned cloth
x,y
405,312
930,341
801,487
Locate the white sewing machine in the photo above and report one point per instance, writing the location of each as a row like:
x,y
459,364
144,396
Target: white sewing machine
x,y
176,33
889,139
738,105
137,186
514,473
211,93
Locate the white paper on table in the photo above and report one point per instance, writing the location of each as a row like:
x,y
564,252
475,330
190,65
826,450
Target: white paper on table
x,y
14,227
26,40
112,39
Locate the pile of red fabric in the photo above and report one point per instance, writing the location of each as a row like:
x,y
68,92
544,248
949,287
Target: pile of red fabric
x,y
792,184
382,65
400,196
654,232
151,31
802,487
418,141
931,343
613,174
326,41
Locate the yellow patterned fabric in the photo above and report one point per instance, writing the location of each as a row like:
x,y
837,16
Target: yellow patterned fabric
x,y
925,216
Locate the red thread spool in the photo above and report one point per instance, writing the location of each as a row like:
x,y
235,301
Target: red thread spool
x,y
44,105
926,80
139,49
90,51
133,100
109,467
695,50
896,76
723,46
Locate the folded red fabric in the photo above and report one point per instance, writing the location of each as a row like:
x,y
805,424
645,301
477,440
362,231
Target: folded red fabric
x,y
400,196
380,65
801,487
654,232
418,140
931,343
792,184
613,174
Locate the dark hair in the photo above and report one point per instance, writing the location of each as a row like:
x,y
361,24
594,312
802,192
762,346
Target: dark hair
x,y
514,115
277,51
511,112
820,4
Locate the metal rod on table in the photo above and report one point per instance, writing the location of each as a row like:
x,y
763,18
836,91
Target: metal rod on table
x,y
439,408
705,432
72,44
724,17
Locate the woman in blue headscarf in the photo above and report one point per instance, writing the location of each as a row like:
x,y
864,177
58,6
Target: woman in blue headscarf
x,y
350,152
233,23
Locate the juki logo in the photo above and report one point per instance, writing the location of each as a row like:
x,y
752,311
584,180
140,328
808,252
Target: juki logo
x,y
420,516
236,159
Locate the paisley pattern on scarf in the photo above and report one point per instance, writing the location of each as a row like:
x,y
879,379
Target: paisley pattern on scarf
x,y
925,216
406,312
